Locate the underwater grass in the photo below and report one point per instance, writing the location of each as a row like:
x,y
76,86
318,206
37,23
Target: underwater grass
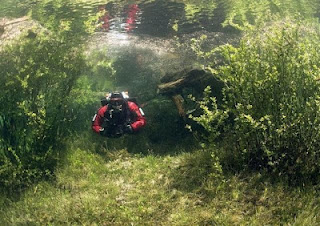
x,y
120,188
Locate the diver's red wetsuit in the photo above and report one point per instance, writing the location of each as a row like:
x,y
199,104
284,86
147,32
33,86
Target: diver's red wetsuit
x,y
138,123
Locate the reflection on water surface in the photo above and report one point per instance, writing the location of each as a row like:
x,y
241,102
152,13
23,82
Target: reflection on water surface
x,y
162,18
159,18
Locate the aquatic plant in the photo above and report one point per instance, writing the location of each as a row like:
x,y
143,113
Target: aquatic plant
x,y
37,76
269,118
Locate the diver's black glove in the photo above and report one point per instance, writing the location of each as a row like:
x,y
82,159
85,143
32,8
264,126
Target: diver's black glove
x,y
127,128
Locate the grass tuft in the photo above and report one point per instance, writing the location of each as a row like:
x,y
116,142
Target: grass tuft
x,y
121,188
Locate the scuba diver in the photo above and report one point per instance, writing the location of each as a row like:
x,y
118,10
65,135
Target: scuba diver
x,y
118,115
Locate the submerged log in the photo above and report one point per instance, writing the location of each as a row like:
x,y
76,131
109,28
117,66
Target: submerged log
x,y
14,21
178,101
12,29
173,84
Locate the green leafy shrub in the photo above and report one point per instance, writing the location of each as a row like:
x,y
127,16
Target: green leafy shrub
x,y
37,76
270,116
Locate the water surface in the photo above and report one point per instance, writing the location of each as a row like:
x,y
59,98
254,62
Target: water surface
x,y
164,18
